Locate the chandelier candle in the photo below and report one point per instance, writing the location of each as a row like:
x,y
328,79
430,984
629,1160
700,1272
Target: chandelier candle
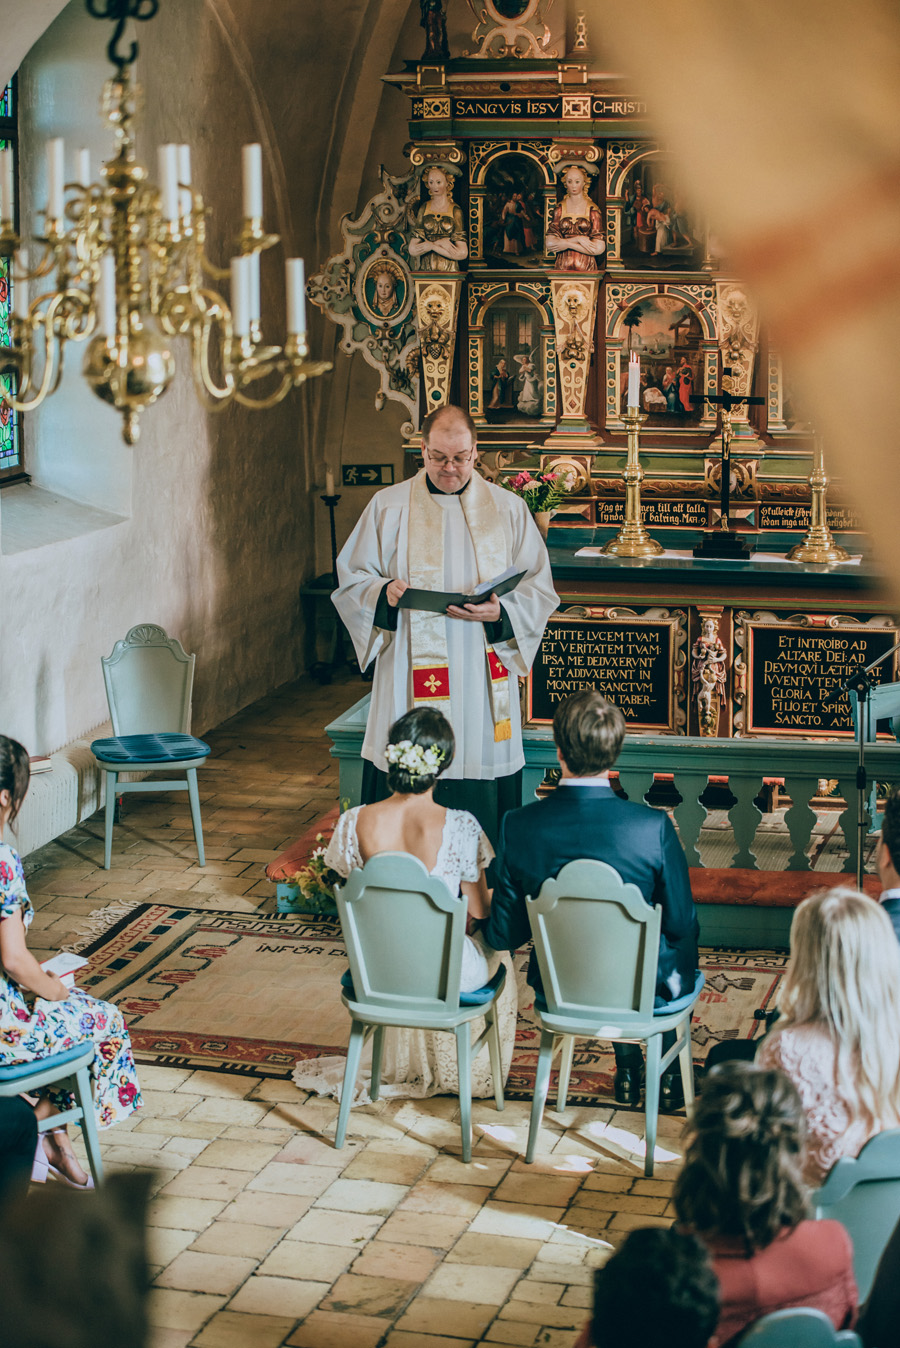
x,y
121,265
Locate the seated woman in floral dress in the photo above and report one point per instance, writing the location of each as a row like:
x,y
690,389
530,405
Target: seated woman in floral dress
x,y
39,1015
450,844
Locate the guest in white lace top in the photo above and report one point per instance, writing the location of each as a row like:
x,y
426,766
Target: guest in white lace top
x,y
450,844
838,1036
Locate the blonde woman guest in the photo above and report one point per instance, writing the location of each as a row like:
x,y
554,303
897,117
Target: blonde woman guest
x,y
452,845
838,1036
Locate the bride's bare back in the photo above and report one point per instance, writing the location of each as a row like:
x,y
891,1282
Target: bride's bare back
x,y
413,824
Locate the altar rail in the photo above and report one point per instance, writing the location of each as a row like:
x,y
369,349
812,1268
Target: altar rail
x,y
691,762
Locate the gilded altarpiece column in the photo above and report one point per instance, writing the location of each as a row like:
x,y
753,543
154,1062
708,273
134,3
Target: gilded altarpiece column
x,y
738,337
437,306
574,300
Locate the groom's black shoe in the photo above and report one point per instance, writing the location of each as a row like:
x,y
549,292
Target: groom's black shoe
x,y
627,1085
671,1090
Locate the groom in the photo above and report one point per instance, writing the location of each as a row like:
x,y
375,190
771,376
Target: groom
x,y
584,818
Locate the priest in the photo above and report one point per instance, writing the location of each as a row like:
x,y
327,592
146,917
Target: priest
x,y
448,529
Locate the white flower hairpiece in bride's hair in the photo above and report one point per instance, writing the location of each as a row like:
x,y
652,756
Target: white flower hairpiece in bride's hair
x,y
415,760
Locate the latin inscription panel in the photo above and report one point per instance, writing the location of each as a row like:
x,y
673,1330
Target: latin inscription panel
x,y
794,674
629,660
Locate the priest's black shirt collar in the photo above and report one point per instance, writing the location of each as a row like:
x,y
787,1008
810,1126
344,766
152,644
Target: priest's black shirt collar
x,y
436,491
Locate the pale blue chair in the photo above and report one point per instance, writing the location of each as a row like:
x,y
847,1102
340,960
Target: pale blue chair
x,y
597,945
802,1327
149,681
863,1192
404,932
70,1069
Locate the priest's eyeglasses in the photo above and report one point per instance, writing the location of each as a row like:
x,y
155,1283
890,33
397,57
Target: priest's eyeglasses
x,y
457,461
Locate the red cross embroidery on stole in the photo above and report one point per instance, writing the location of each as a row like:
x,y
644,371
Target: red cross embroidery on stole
x,y
431,682
498,671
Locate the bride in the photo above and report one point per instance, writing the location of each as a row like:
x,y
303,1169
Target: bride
x,y
452,845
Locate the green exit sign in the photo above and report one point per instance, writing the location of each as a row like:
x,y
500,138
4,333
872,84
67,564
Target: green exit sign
x,y
367,474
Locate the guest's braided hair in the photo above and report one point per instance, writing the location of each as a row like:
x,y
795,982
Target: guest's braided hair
x,y
742,1173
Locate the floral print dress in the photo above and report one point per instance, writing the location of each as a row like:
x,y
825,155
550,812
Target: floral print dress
x,y
31,1027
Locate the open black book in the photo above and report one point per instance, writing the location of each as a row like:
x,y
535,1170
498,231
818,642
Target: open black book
x,y
436,601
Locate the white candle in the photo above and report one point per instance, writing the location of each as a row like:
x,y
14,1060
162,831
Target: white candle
x,y
7,185
168,180
240,296
329,482
253,298
20,285
56,177
295,287
184,177
251,159
83,170
106,309
634,381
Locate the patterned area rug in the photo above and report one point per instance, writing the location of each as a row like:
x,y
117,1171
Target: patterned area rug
x,y
244,993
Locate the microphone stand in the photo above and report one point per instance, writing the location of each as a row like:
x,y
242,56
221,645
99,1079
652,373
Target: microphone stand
x,y
861,684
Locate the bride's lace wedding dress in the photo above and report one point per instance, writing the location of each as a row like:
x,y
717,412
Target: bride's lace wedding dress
x,y
417,1063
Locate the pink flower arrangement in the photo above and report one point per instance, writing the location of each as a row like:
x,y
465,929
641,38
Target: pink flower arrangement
x,y
543,492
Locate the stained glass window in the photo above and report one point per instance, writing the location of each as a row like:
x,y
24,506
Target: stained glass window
x,y
11,463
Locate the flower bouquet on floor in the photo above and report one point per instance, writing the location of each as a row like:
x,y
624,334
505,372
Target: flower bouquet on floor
x,y
542,494
304,884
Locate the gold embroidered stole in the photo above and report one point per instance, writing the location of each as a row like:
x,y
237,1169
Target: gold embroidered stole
x,y
428,631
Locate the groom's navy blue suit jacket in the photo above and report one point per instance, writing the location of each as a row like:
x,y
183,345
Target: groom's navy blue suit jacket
x,y
585,818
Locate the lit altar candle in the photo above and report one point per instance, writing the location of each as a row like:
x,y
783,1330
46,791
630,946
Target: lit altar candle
x,y
240,296
168,181
106,317
251,159
56,177
295,288
634,380
83,169
7,184
184,177
329,482
20,286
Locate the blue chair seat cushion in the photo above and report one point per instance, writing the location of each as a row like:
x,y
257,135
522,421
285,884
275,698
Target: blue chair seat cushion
x,y
16,1071
164,748
478,997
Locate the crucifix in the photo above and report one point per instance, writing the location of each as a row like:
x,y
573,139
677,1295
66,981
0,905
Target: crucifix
x,y
723,542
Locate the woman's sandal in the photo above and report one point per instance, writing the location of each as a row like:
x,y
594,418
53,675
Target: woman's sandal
x,y
56,1173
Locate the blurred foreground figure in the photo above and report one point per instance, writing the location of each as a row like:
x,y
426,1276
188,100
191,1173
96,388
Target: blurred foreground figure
x,y
791,143
75,1268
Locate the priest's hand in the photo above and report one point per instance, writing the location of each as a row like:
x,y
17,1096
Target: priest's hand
x,y
394,591
488,612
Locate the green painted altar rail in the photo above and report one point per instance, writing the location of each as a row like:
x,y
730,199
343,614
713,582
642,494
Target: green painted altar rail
x,y
692,761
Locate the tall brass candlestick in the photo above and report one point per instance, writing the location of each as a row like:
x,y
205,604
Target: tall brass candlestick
x,y
819,544
632,539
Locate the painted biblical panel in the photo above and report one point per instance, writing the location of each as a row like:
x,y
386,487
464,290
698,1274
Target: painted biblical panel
x,y
666,334
659,228
514,390
513,212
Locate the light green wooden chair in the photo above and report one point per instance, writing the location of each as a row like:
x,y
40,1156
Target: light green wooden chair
x,y
799,1328
863,1192
404,932
597,945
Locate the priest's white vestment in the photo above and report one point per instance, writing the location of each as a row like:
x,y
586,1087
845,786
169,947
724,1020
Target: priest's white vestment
x,y
376,552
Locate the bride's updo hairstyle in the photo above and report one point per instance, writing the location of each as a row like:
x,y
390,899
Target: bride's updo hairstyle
x,y
742,1173
420,747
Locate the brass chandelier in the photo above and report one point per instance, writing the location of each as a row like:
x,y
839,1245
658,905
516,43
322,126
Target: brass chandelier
x,y
128,268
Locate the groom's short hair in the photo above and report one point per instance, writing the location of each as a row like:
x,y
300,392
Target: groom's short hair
x,y
588,732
